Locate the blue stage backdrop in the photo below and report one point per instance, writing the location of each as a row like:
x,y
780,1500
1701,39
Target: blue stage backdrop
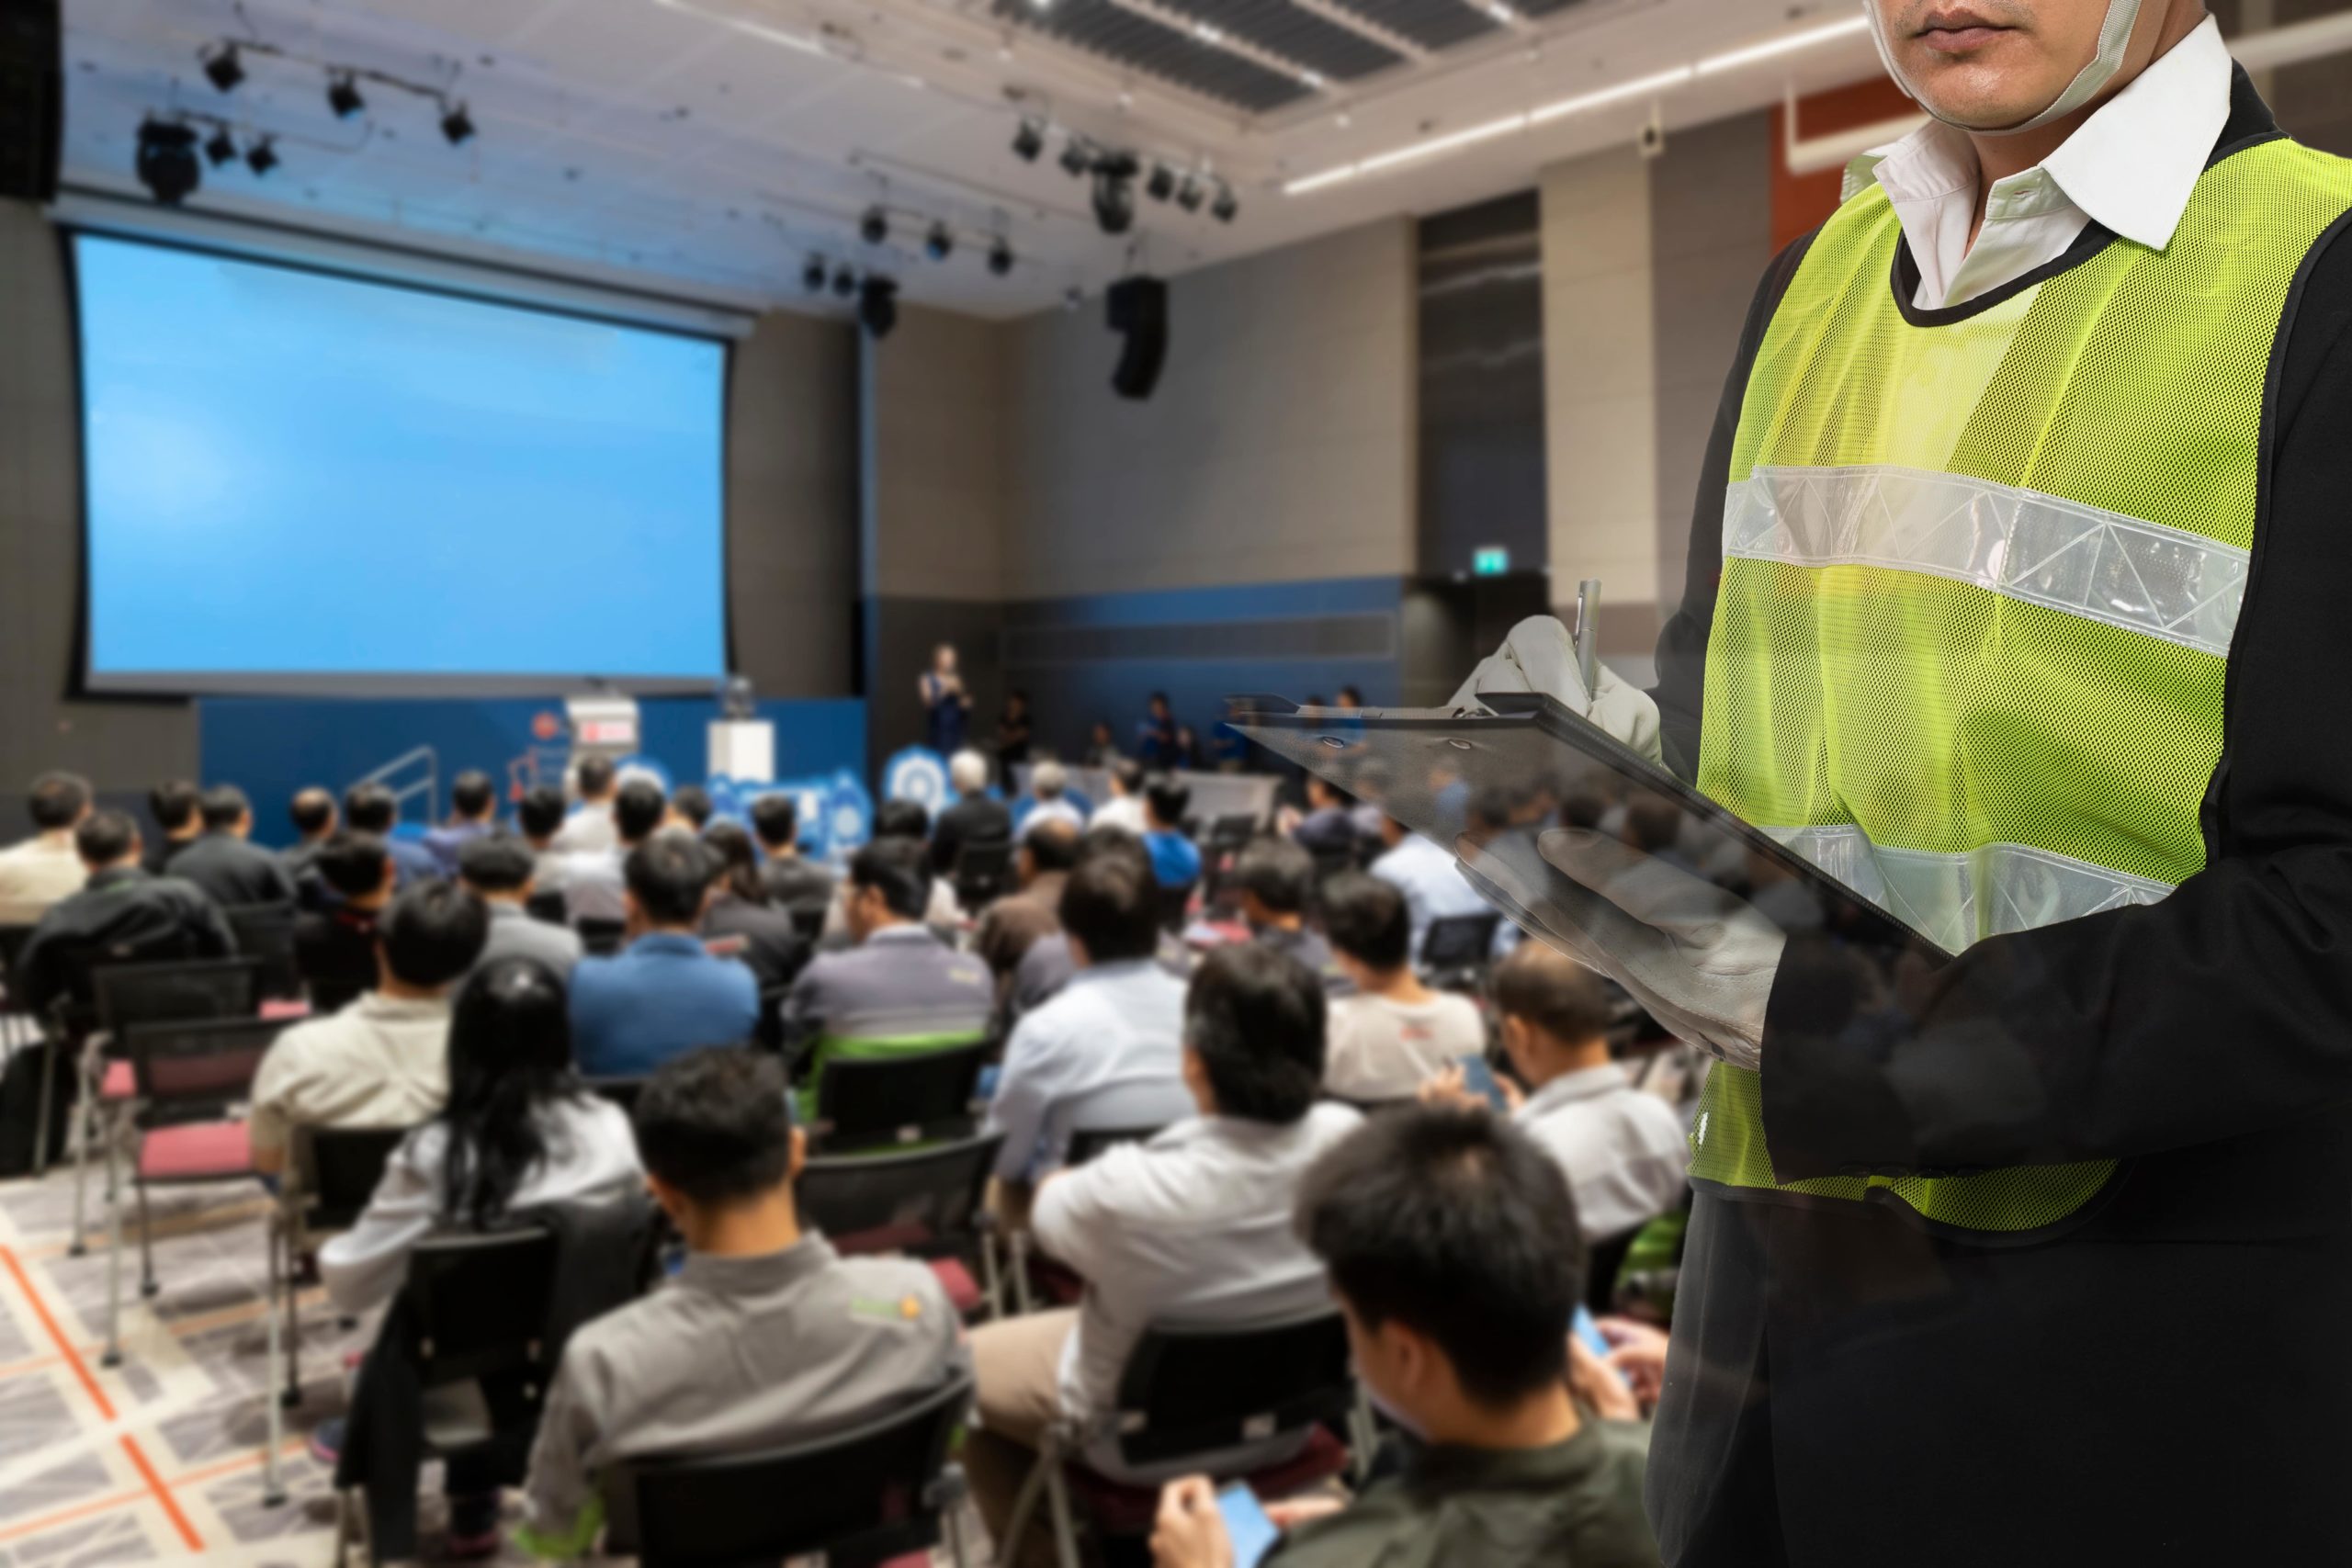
x,y
274,746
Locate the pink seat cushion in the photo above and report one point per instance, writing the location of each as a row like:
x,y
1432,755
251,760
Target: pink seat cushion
x,y
118,1084
276,1007
963,1293
196,1152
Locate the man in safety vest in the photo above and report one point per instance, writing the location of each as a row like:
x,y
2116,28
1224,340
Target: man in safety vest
x,y
2021,600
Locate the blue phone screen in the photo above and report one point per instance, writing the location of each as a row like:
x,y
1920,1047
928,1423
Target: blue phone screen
x,y
1479,1079
1252,1533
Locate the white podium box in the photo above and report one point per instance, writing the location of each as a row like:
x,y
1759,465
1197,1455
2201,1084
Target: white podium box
x,y
742,749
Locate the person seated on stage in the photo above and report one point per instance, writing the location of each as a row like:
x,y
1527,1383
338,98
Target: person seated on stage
x,y
122,911
1175,859
596,882
790,880
1393,1033
1020,935
1622,1151
908,821
739,921
1330,825
473,812
499,869
1156,733
1433,884
690,808
372,809
334,947
664,994
313,815
973,819
538,817
39,871
232,870
767,1336
1107,1050
1125,808
1195,1225
1276,880
1453,1247
900,983
177,806
383,1060
1050,798
1101,746
590,826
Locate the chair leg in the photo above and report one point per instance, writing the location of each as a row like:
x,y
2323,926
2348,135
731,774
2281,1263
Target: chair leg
x,y
273,1480
1024,1503
1065,1530
991,1277
77,1134
1019,1243
113,1356
147,1286
292,1396
48,1050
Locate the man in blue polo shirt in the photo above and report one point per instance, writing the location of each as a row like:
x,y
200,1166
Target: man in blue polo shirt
x,y
662,995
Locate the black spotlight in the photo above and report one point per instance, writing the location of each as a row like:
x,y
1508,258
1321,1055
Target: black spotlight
x,y
166,162
1115,192
813,275
1075,157
456,124
223,70
1162,185
1226,205
940,244
220,147
1028,141
262,156
343,97
1000,258
875,227
877,306
1188,194
845,282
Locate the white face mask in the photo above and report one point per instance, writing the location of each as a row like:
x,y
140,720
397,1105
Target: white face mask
x,y
2114,35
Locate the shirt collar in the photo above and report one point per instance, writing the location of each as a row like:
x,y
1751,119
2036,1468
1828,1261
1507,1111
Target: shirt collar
x,y
1586,1083
667,942
764,1271
375,1004
911,931
115,876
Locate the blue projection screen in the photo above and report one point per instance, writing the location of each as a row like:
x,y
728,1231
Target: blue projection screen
x,y
299,480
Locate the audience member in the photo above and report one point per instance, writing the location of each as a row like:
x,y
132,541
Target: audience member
x,y
973,819
1175,859
383,1060
1433,884
334,947
690,808
1276,881
1195,1225
1156,733
1049,798
664,994
738,917
123,911
473,812
765,1337
1328,828
899,981
1020,935
903,819
1452,1249
596,882
1125,808
177,806
538,817
590,826
1393,1033
499,869
1624,1151
790,879
1012,728
372,809
1107,1050
39,871
234,871
314,815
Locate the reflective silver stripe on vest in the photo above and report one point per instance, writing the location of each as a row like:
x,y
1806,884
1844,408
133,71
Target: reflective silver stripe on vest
x,y
1960,898
2103,565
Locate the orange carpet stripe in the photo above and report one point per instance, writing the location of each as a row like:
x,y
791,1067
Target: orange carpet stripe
x,y
162,1494
57,1336
67,1516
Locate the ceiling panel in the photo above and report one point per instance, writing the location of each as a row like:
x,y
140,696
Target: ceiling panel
x,y
1432,24
1130,38
1295,35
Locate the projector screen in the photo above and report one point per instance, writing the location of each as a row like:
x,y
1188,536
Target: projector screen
x,y
299,480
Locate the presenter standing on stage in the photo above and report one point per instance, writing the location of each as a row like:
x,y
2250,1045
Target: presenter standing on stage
x,y
2017,601
944,701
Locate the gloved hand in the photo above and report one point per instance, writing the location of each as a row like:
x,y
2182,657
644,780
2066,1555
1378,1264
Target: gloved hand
x,y
1539,656
1700,960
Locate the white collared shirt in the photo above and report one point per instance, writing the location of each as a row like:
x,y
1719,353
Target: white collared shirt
x,y
2130,167
1623,1150
1108,1051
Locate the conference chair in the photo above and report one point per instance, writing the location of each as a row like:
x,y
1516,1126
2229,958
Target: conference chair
x,y
875,1093
1455,949
983,871
13,939
1191,1390
548,905
600,938
929,1204
1034,1274
265,932
881,1490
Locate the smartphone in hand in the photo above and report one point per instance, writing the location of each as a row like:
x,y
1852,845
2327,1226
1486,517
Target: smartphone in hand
x,y
1479,1079
1252,1533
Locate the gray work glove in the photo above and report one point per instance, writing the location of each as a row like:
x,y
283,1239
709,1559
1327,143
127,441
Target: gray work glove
x,y
1539,656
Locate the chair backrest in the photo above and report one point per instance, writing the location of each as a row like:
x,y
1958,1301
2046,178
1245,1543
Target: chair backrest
x,y
13,939
265,934
479,1301
1459,941
983,870
770,1032
338,1168
927,1200
622,1092
866,1095
867,1495
175,990
1088,1142
181,1064
1194,1389
601,937
809,919
548,904
1231,832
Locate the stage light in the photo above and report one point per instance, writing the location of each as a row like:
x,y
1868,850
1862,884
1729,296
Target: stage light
x,y
877,306
343,97
1000,258
220,147
813,275
456,124
1075,157
166,162
1162,185
223,70
875,227
1028,141
940,244
845,282
1115,192
262,156
1188,194
1227,207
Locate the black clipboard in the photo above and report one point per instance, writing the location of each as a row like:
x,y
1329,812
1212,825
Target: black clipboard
x,y
1499,777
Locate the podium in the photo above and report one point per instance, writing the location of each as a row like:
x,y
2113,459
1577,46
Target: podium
x,y
742,749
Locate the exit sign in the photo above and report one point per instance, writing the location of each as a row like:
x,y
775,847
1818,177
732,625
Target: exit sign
x,y
1492,561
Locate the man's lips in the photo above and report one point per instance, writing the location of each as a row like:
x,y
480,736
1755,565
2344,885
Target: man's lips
x,y
1962,38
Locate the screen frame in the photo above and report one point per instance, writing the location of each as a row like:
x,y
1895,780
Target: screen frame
x,y
89,683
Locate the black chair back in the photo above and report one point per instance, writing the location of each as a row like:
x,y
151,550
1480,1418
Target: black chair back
x,y
479,1303
866,1101
926,1203
548,904
1087,1141
1231,832
622,1092
187,1065
339,1169
11,948
809,919
174,991
601,937
862,1497
983,871
1456,942
1194,1389
265,932
770,1033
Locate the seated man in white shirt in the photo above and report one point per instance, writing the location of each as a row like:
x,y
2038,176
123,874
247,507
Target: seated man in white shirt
x,y
1623,1150
44,868
1125,808
594,884
1393,1033
1196,1225
590,826
1433,884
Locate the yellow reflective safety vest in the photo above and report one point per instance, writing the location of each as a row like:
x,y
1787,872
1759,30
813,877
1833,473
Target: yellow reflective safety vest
x,y
1981,569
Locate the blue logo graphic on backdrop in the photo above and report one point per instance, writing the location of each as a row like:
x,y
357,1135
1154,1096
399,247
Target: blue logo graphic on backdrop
x,y
920,774
849,809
